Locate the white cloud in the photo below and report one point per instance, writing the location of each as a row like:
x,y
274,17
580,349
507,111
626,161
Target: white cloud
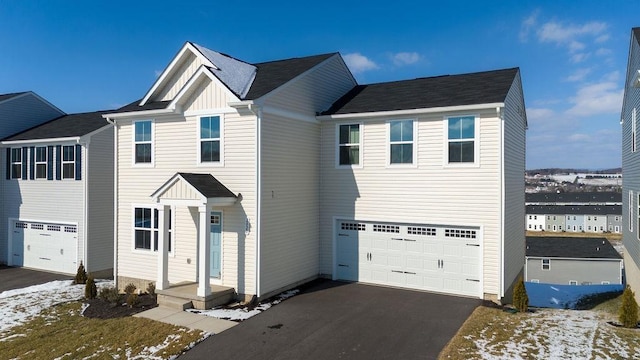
x,y
527,24
598,98
575,46
359,63
578,75
405,58
579,57
603,52
561,34
579,137
602,38
534,114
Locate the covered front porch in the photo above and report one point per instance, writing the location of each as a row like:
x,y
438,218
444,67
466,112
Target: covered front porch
x,y
206,194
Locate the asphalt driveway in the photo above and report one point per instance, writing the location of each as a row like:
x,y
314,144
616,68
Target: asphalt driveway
x,y
334,320
16,277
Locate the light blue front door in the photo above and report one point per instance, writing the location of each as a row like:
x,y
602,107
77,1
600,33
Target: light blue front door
x,y
216,244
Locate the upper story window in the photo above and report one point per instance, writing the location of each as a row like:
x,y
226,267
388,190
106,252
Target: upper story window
x,y
16,163
68,162
210,139
41,162
546,264
401,143
143,142
461,139
349,141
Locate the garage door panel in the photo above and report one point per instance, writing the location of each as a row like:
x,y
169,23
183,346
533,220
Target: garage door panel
x,y
45,246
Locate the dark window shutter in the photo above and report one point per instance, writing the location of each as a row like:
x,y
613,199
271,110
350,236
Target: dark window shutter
x,y
49,162
32,163
78,162
8,163
24,163
58,162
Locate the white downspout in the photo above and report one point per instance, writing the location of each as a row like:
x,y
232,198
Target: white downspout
x,y
502,205
85,189
115,202
258,111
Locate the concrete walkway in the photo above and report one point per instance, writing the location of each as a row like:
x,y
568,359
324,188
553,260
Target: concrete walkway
x,y
187,319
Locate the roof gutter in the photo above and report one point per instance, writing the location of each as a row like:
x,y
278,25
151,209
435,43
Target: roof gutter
x,y
411,111
115,116
36,141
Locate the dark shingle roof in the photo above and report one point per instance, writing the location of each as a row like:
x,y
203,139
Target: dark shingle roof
x,y
9,96
636,33
274,74
70,125
569,247
135,107
574,209
207,185
449,90
586,197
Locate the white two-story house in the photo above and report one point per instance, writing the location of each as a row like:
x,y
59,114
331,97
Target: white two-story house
x,y
258,177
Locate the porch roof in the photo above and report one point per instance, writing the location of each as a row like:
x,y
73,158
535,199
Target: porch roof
x,y
200,188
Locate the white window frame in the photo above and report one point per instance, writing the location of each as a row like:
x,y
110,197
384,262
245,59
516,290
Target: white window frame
x,y
548,264
634,132
573,282
153,229
535,281
220,140
40,163
67,162
151,142
413,142
630,210
360,145
605,282
476,142
14,163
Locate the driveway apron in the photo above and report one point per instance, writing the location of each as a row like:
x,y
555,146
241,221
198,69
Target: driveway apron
x,y
15,277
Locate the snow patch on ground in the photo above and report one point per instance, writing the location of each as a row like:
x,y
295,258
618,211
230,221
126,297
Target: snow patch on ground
x,y
19,305
242,314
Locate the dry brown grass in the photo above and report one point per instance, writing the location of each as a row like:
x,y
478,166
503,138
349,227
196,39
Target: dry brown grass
x,y
62,332
609,236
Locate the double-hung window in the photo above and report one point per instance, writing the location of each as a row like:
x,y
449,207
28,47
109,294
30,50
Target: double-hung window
x,y
210,139
546,264
143,142
349,145
630,210
401,142
146,229
461,139
16,163
68,162
41,162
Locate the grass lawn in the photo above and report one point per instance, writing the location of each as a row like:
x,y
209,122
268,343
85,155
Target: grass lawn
x,y
492,333
613,237
61,332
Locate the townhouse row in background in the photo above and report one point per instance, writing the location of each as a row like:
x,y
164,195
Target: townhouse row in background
x,y
254,178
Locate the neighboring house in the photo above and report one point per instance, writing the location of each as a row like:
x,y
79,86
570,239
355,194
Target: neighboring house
x,y
572,261
631,165
58,195
614,223
259,177
535,221
573,218
575,221
555,222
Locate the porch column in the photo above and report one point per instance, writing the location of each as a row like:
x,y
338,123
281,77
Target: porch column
x,y
204,248
163,247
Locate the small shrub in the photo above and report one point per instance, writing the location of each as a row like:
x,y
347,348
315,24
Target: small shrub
x,y
132,299
130,289
520,297
151,289
110,294
90,289
81,275
628,312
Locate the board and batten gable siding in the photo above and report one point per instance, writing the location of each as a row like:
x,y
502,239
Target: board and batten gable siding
x,y
431,192
210,95
100,200
562,271
181,74
175,149
23,112
44,200
631,171
514,143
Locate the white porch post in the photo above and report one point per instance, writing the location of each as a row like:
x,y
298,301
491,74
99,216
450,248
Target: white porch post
x,y
204,260
163,246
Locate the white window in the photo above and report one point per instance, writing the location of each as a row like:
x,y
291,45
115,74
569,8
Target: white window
x,y
210,139
630,210
573,282
535,281
535,217
605,282
401,143
546,264
41,162
529,226
16,163
349,142
68,162
143,142
461,135
634,138
145,225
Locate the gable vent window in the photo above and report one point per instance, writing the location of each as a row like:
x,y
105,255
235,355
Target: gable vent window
x,y
37,226
458,233
353,226
386,228
413,230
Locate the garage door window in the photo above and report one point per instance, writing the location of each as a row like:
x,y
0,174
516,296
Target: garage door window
x,y
146,229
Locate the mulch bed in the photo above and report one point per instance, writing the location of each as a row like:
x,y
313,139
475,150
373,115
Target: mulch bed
x,y
102,309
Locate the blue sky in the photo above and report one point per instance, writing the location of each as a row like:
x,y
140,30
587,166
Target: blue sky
x,y
86,56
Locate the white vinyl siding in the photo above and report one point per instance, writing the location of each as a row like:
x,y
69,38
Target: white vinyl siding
x,y
182,72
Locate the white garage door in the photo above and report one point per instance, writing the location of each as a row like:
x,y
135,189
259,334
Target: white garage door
x,y
426,257
45,246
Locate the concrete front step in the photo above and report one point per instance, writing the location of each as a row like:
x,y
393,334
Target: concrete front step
x,y
169,301
183,297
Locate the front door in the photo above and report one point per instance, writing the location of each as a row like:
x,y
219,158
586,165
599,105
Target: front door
x,y
216,244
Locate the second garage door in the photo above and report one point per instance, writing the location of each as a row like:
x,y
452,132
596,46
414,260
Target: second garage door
x,y
44,246
426,257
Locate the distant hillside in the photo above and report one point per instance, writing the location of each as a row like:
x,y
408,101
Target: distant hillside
x,y
552,171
